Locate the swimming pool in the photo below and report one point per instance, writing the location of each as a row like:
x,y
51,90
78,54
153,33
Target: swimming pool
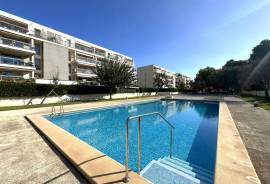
x,y
194,136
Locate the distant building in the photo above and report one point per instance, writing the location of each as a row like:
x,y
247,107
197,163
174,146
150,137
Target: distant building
x,y
32,51
180,78
146,75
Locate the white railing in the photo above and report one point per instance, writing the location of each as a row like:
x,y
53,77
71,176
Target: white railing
x,y
87,59
14,61
84,48
100,53
13,27
85,71
11,78
15,43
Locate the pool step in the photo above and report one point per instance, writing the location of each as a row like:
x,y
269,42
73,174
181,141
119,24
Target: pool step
x,y
190,165
173,170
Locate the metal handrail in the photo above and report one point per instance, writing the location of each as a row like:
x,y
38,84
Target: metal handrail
x,y
61,110
60,103
126,178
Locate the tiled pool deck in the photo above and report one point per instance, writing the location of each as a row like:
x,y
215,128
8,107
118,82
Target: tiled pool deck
x,y
28,152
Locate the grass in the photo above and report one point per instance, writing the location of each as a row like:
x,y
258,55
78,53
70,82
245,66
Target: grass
x,y
262,102
6,108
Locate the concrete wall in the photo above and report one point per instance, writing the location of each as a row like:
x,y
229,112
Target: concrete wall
x,y
37,100
145,77
55,59
255,93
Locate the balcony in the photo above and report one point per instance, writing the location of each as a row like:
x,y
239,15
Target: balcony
x,y
11,78
84,48
16,47
113,57
100,53
15,63
13,27
86,61
88,73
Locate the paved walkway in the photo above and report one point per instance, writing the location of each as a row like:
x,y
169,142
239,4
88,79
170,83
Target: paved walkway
x,y
254,127
27,158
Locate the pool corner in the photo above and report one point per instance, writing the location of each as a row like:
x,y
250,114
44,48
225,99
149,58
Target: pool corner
x,y
93,164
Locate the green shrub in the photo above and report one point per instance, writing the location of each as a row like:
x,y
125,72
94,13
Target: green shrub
x,y
27,89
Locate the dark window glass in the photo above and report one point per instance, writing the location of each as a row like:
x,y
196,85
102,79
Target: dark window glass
x,y
38,63
37,33
38,49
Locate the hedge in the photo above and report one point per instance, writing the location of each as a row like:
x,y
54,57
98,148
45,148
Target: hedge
x,y
28,89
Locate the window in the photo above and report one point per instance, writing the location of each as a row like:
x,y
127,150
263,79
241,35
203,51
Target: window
x,y
69,68
50,36
69,43
37,33
38,63
38,49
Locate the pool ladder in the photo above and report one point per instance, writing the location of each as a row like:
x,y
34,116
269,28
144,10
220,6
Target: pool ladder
x,y
61,110
126,178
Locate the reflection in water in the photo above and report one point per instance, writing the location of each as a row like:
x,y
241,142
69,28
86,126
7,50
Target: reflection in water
x,y
194,135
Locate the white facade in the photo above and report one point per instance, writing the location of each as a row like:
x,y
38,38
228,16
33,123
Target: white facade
x,y
31,51
146,76
180,78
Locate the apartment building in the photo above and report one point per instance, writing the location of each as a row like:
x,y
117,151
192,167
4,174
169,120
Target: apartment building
x,y
180,78
32,51
147,74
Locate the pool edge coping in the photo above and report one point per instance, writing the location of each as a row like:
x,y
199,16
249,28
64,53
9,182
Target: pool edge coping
x,y
96,166
233,164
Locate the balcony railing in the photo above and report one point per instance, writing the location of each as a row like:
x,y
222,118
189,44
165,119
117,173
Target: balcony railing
x,y
85,71
100,53
11,78
15,43
83,48
13,27
14,61
88,60
113,57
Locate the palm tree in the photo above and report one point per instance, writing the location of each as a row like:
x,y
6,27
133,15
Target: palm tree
x,y
114,74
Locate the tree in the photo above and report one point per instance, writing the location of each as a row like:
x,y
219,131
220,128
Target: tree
x,y
181,86
205,79
253,73
259,62
114,74
55,82
160,81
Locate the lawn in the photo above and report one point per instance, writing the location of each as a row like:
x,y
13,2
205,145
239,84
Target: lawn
x,y
262,102
6,108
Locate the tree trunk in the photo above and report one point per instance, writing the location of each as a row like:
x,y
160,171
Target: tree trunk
x,y
266,92
110,93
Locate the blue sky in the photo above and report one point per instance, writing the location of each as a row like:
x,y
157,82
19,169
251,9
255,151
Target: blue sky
x,y
182,36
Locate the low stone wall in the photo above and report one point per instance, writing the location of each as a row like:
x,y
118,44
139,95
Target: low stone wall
x,y
255,93
38,100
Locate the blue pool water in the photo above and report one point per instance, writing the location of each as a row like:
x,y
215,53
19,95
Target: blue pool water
x,y
194,136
